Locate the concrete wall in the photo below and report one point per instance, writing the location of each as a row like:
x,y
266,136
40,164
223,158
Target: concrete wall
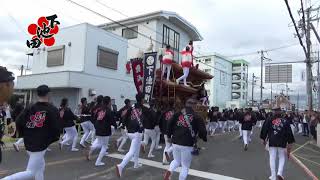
x,y
98,37
115,88
221,92
53,80
141,42
77,85
73,56
80,70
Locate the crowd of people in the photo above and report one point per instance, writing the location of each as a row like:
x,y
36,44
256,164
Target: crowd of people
x,y
41,124
303,123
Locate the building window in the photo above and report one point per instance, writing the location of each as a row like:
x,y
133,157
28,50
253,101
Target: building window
x,y
130,33
207,61
55,56
107,58
172,38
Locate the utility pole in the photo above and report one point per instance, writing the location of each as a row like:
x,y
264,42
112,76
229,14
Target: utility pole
x,y
253,83
318,77
308,62
261,74
262,58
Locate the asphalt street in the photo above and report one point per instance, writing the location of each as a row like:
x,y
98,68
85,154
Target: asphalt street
x,y
221,158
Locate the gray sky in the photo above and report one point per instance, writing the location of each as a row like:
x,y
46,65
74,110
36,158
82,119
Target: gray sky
x,y
229,27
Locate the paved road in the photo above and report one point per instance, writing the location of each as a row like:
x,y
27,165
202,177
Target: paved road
x,y
221,155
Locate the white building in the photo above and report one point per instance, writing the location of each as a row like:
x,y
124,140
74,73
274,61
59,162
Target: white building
x,y
84,59
89,59
164,28
219,87
239,83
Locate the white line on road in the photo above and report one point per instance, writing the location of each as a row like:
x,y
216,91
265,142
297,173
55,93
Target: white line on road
x,y
300,147
192,172
98,173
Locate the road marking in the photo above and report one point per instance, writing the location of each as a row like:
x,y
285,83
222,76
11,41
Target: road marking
x,y
64,161
307,160
300,147
235,138
308,148
52,163
98,173
304,167
192,172
307,156
4,172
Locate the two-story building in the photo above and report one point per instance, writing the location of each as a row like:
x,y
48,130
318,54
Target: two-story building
x,y
88,60
163,27
84,61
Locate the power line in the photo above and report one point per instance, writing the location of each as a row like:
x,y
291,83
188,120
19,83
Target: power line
x,y
133,29
215,68
267,50
146,36
114,21
113,9
118,11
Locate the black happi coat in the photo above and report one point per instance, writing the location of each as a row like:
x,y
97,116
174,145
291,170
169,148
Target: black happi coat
x,y
277,130
39,126
180,132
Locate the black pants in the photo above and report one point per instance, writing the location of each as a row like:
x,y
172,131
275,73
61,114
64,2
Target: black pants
x,y
306,129
313,132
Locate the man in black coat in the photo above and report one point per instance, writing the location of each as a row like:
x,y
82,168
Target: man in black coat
x,y
39,127
277,132
183,129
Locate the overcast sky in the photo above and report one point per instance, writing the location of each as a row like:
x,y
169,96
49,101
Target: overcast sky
x,y
229,27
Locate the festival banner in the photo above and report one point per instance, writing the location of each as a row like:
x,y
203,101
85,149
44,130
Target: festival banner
x,y
137,71
149,74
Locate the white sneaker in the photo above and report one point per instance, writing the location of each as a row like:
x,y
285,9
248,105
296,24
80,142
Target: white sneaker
x,y
159,147
99,164
74,149
121,150
151,156
118,171
106,153
137,166
16,147
272,177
